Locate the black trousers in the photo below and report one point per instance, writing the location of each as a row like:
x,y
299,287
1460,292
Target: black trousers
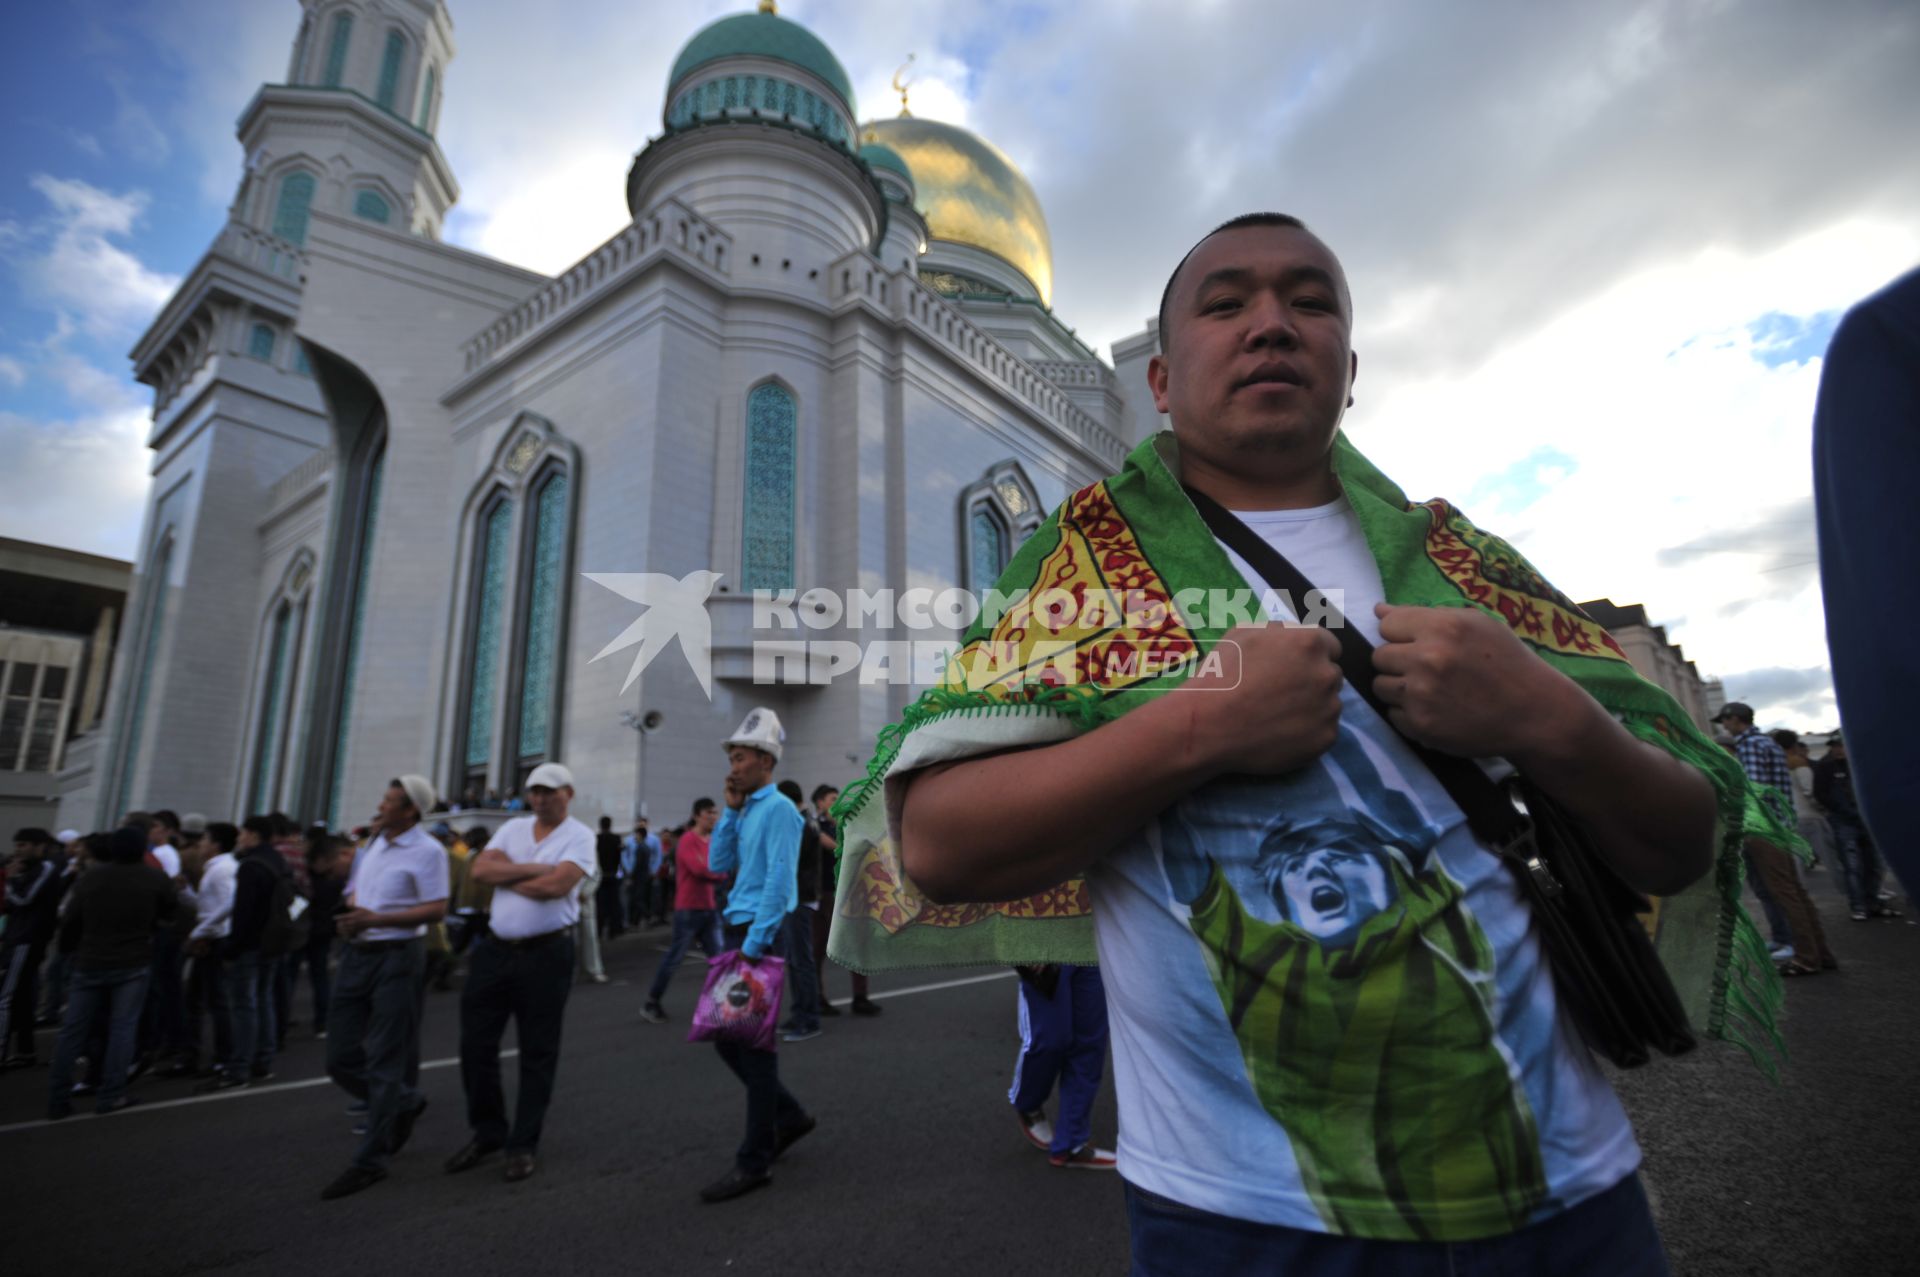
x,y
771,1108
528,984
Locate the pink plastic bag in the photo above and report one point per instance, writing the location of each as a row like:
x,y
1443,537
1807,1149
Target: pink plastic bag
x,y
740,1002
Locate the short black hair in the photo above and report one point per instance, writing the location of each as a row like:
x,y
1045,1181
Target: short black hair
x,y
822,790
791,788
1233,224
33,834
700,805
606,823
168,818
1785,737
224,834
260,826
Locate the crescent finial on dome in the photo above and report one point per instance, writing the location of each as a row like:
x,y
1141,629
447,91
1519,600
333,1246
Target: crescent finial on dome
x,y
901,86
768,6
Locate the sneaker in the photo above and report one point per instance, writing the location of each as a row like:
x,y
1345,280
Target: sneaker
x,y
734,1183
361,1127
1781,952
12,1062
1039,1130
653,1013
827,1008
1860,915
801,1035
866,1006
600,977
84,1088
1086,1158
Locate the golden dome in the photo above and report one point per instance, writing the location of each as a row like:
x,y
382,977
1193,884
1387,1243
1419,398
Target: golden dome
x,y
970,193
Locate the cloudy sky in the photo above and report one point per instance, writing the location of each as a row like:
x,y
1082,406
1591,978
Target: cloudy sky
x,y
1596,250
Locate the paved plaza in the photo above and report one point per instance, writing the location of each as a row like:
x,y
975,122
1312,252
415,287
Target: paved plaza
x,y
917,1166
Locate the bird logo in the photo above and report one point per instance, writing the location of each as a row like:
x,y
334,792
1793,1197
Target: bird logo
x,y
675,608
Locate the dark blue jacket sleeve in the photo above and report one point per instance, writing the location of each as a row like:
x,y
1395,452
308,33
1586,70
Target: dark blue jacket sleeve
x,y
1866,460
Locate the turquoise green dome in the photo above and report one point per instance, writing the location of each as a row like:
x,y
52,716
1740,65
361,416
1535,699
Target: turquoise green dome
x,y
879,155
763,35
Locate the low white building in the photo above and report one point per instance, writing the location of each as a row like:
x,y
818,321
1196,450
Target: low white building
x,y
822,354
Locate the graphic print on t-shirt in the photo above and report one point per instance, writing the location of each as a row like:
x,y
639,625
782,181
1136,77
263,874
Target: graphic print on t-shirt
x,y
1361,990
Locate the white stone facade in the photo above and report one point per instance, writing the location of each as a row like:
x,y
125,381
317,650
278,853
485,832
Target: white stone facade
x,y
759,254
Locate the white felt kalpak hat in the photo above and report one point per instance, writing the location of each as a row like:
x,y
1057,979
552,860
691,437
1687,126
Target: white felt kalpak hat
x,y
761,730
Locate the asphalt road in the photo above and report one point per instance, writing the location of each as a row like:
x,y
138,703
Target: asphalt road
x,y
917,1165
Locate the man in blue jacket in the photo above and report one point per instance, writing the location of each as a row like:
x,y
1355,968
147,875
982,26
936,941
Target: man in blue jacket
x,y
758,841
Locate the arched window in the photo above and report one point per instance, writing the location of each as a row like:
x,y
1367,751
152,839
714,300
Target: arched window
x,y
426,101
266,750
390,70
152,623
490,602
301,364
997,512
511,631
260,343
767,543
372,206
545,598
337,50
989,553
290,213
359,564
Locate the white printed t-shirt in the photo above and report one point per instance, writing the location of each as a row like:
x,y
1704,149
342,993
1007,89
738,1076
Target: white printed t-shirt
x,y
1328,1008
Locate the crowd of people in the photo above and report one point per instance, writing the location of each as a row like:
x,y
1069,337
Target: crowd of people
x,y
175,945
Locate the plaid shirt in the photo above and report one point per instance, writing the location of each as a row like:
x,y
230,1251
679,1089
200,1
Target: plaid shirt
x,y
1766,765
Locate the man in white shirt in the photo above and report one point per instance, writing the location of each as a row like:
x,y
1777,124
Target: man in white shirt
x,y
399,886
522,968
213,911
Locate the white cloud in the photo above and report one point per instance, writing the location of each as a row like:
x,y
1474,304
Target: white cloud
x,y
78,481
12,372
76,267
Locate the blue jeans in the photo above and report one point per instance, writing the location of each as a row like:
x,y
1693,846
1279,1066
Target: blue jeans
x,y
1609,1235
688,925
1063,1038
528,984
119,994
1860,861
803,981
250,1009
373,1038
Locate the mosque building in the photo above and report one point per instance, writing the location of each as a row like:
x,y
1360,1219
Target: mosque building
x,y
821,354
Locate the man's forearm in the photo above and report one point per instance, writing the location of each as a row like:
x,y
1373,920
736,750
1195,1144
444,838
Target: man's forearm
x,y
431,911
494,869
1009,825
1651,815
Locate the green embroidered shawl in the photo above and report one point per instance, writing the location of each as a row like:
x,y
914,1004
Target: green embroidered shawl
x,y
1019,680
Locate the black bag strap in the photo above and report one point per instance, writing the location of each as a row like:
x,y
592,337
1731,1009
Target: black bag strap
x,y
1490,813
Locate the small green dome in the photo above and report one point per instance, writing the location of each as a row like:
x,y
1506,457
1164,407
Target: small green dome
x,y
880,155
765,35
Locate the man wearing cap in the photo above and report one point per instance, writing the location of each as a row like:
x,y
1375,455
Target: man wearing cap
x,y
1774,879
758,841
522,968
398,886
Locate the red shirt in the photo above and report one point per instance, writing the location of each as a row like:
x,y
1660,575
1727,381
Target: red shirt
x,y
694,890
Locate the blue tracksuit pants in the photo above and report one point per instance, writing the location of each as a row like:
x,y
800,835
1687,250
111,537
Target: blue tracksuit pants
x,y
1063,1038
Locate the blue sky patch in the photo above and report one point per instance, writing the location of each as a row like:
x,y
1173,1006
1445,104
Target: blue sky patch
x,y
1522,483
1780,338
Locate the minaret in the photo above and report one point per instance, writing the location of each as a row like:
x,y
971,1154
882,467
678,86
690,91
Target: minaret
x,y
351,131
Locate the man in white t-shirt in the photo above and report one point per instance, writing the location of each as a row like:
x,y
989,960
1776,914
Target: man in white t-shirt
x,y
522,969
1336,1042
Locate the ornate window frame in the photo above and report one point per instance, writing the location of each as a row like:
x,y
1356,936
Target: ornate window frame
x,y
1006,495
531,455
